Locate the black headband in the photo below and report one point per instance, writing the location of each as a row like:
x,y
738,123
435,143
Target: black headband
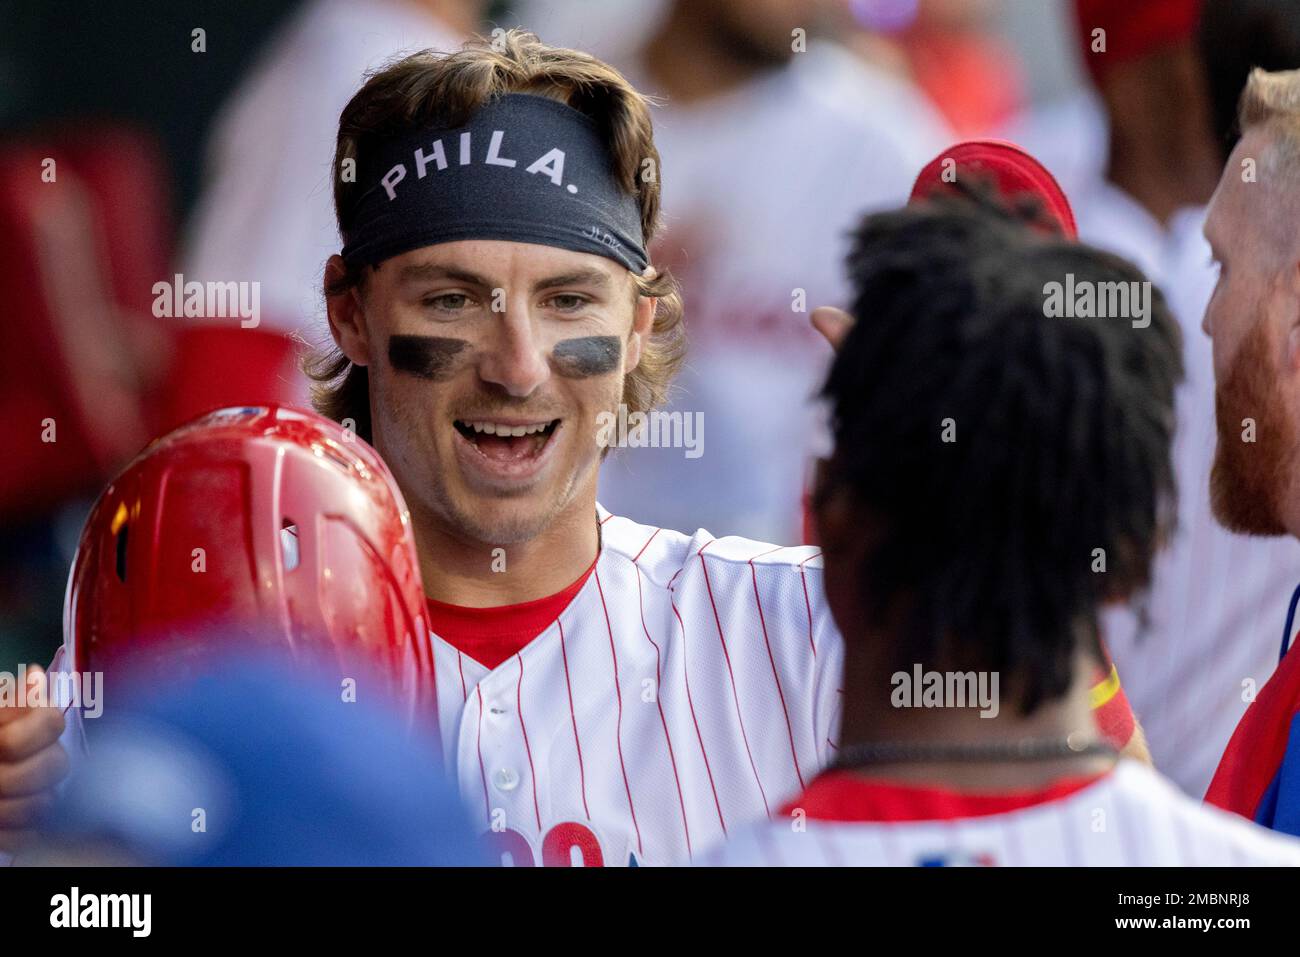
x,y
524,168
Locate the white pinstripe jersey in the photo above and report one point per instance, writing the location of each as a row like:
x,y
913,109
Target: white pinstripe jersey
x,y
1131,817
688,689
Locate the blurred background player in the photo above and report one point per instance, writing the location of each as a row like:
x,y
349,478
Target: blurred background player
x,y
1253,323
952,50
948,552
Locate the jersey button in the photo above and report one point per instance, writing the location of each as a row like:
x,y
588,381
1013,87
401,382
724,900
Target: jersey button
x,y
497,710
506,779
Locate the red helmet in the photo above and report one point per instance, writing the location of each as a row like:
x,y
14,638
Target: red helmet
x,y
266,523
1011,170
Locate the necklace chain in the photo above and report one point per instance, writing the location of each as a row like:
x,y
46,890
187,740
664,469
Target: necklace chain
x,y
1026,749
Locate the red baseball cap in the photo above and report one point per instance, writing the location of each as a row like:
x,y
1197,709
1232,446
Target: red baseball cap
x,y
1009,168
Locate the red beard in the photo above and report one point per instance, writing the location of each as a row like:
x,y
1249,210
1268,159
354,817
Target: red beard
x,y
1249,478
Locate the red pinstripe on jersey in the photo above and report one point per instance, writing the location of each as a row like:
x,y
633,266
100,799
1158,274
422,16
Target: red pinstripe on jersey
x,y
803,578
618,730
785,711
677,781
695,720
568,687
487,802
652,537
734,696
519,705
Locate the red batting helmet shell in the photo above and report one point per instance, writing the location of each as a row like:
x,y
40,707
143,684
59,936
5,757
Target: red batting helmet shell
x,y
1011,170
265,522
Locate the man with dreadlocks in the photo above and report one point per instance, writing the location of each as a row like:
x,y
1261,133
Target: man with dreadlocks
x,y
987,459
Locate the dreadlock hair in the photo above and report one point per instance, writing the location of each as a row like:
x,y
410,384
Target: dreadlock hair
x,y
983,544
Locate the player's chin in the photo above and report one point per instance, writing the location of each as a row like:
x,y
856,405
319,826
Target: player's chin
x,y
503,521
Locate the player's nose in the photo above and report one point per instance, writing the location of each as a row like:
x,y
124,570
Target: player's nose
x,y
515,361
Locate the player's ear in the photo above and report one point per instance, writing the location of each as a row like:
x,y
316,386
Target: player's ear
x,y
643,320
346,318
833,323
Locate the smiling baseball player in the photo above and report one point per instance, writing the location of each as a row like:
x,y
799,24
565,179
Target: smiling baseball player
x,y
609,692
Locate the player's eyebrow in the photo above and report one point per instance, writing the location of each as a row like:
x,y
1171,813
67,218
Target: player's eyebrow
x,y
432,272
581,277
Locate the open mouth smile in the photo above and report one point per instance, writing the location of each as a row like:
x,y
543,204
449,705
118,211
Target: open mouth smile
x,y
505,449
